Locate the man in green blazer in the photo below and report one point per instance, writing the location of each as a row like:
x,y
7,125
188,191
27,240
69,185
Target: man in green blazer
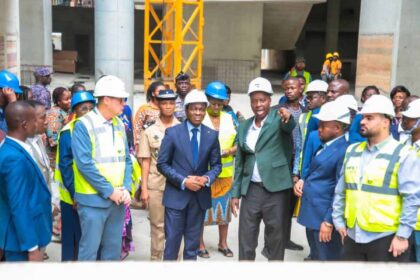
x,y
263,174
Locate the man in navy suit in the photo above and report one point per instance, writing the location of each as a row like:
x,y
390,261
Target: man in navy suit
x,y
25,201
317,187
189,158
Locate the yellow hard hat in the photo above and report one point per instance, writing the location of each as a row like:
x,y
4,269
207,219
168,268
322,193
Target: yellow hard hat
x,y
329,55
336,54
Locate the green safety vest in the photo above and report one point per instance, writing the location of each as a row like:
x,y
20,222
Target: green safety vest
x,y
374,200
110,161
227,135
64,193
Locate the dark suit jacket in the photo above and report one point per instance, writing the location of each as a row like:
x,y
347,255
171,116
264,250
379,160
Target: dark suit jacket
x,y
25,201
272,153
319,186
175,163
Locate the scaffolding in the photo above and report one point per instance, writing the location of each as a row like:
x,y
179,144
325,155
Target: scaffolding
x,y
173,40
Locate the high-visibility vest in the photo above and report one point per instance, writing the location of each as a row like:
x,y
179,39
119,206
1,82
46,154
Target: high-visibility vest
x,y
303,126
110,161
135,176
227,135
64,193
374,200
306,75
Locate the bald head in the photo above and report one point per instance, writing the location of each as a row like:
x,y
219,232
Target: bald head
x,y
20,119
337,88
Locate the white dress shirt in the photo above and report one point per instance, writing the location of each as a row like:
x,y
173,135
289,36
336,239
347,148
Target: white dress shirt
x,y
251,142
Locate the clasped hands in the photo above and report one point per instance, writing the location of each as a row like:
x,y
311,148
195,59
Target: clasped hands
x,y
120,195
195,183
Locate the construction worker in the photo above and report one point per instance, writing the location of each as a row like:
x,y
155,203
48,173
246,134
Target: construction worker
x,y
326,68
415,137
153,183
317,187
410,121
376,198
82,103
335,66
299,69
316,95
220,212
353,134
9,87
102,172
183,87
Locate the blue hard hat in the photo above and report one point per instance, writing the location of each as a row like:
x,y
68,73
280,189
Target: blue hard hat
x,y
80,97
216,90
9,80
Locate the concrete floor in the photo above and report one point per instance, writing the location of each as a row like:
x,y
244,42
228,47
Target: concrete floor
x,y
240,101
141,235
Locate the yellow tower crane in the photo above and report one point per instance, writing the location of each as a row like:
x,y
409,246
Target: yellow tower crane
x,y
173,40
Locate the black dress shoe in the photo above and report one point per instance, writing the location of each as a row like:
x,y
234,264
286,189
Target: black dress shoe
x,y
293,246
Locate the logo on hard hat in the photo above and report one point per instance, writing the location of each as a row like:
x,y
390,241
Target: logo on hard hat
x,y
8,78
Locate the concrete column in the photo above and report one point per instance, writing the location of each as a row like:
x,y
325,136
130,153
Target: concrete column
x,y
333,25
9,36
389,36
114,40
35,36
232,43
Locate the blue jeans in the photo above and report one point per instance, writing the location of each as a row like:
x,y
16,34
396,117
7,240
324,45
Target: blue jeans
x,y
101,228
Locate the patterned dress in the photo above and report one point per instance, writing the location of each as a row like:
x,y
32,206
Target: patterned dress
x,y
145,116
57,118
220,212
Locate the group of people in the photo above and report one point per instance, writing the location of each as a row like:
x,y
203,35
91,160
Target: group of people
x,y
331,68
349,174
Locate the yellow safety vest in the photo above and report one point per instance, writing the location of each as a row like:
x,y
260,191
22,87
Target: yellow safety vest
x,y
303,126
64,193
110,161
374,200
306,75
135,176
227,135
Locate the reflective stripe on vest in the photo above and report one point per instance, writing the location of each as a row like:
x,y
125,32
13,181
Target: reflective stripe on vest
x,y
64,193
227,135
110,161
303,125
135,176
372,198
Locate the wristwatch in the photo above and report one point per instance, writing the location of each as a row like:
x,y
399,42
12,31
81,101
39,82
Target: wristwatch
x,y
401,238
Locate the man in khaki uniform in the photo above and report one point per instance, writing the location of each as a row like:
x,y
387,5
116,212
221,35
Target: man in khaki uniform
x,y
153,183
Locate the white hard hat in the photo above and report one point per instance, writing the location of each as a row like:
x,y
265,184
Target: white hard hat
x,y
349,101
378,104
334,111
195,96
260,85
317,85
413,110
110,86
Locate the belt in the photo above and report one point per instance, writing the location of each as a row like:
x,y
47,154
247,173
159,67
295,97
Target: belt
x,y
259,184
